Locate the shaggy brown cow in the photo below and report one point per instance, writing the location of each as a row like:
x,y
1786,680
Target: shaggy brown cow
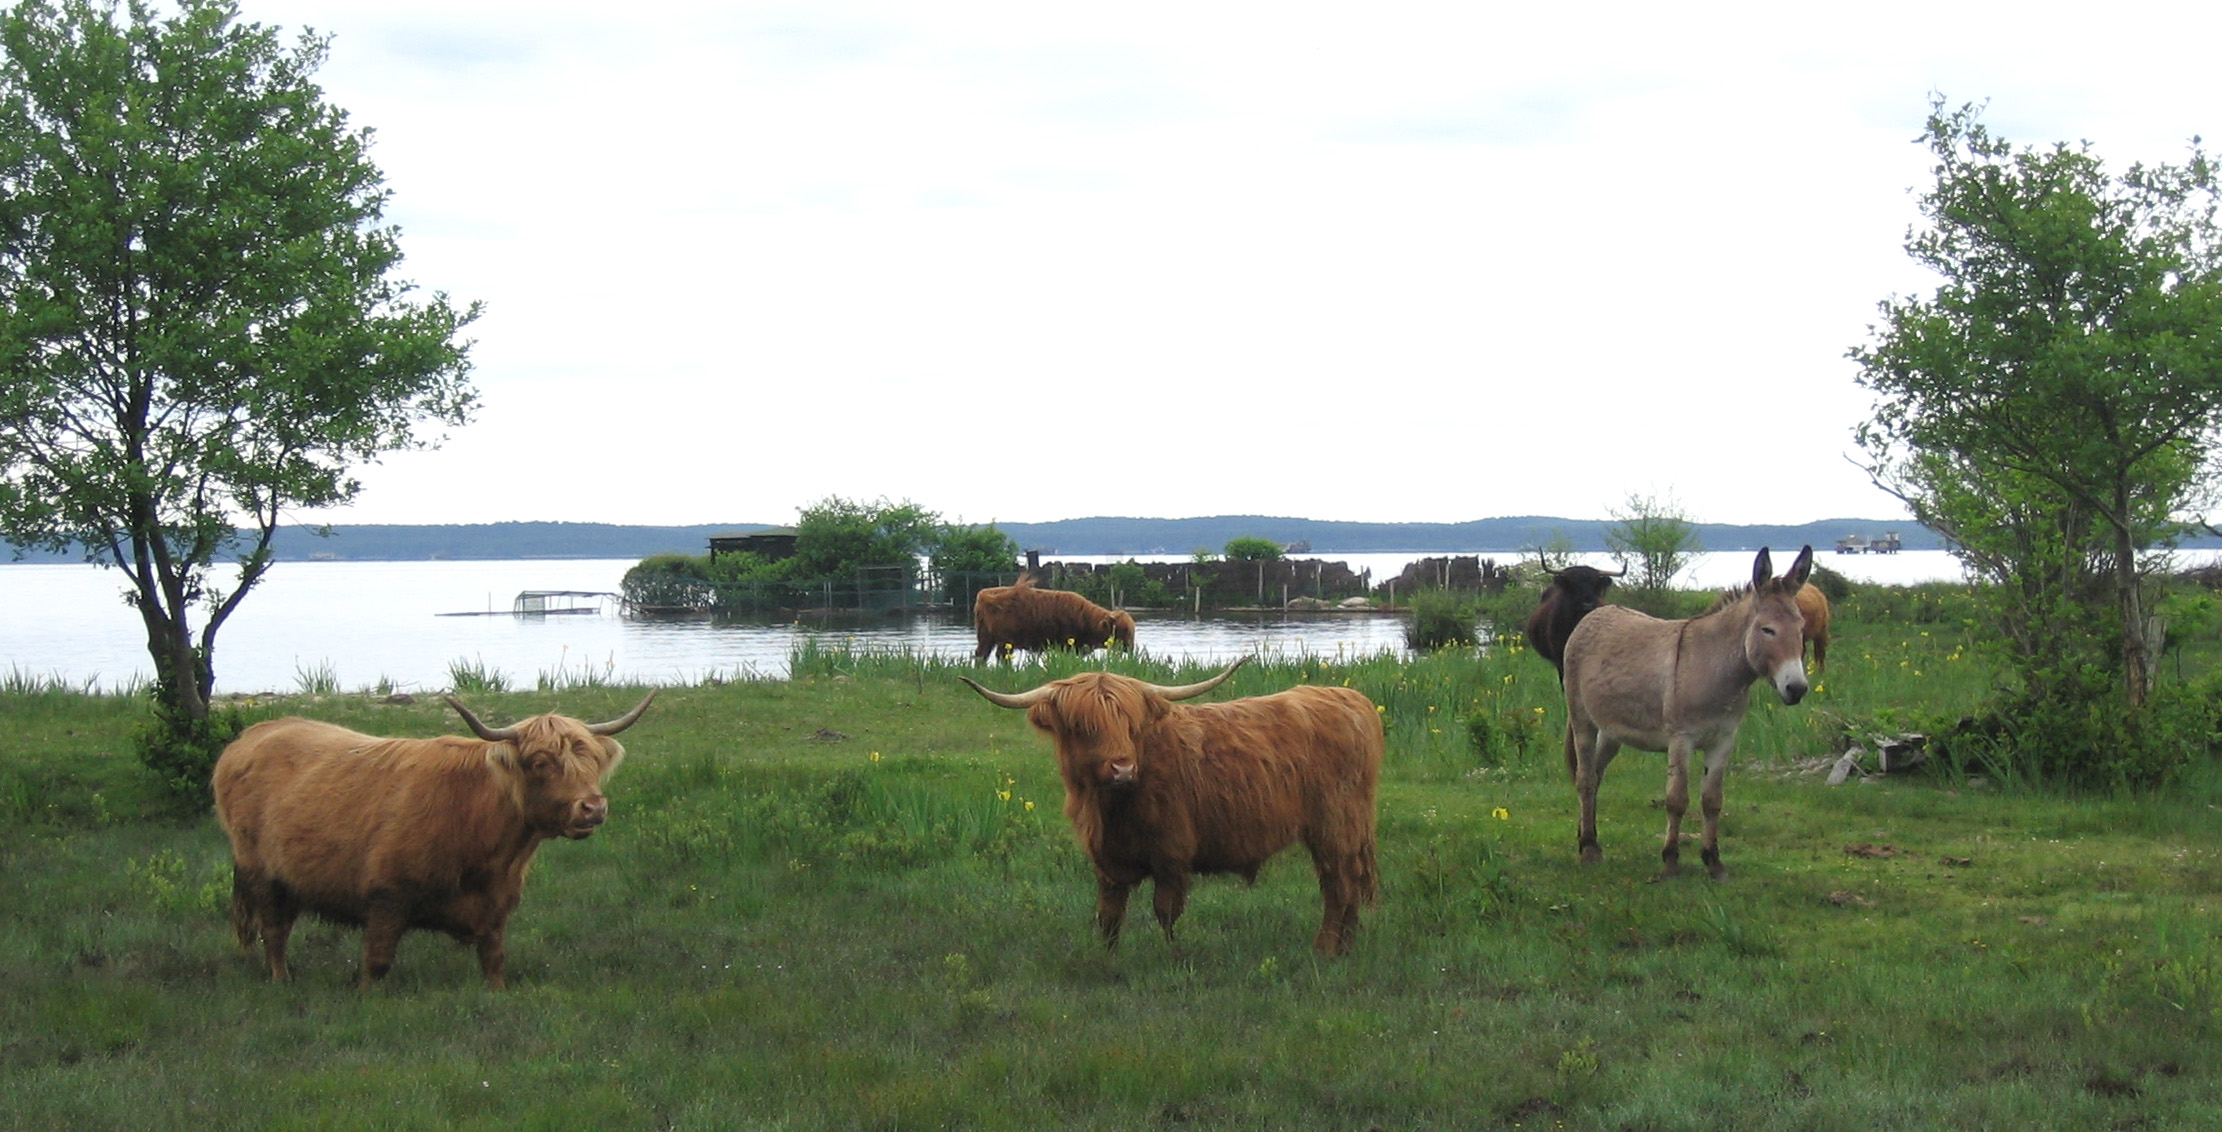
x,y
1814,606
1573,592
393,834
1163,790
1020,616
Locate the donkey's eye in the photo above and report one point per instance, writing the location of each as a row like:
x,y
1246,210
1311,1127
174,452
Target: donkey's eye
x,y
1767,629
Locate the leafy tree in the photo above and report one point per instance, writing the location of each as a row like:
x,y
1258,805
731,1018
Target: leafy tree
x,y
985,550
1656,534
835,536
1250,548
199,327
2051,408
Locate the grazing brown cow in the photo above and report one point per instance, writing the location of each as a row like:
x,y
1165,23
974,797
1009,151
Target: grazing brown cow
x,y
1020,616
1814,605
1164,790
1573,592
393,834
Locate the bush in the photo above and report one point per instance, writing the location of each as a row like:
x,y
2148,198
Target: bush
x,y
2073,731
1440,619
1250,548
668,581
182,751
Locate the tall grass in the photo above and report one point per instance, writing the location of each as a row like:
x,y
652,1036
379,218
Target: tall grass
x,y
320,679
474,676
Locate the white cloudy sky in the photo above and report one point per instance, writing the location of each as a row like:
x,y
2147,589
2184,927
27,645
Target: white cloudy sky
x,y
1028,261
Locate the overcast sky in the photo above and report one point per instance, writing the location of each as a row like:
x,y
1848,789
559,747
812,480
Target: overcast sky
x,y
1399,262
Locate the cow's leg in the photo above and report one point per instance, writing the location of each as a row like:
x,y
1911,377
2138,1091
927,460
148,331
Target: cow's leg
x,y
980,652
491,953
1594,753
1169,898
1820,653
279,910
1339,885
382,928
1716,770
1111,907
1677,803
249,895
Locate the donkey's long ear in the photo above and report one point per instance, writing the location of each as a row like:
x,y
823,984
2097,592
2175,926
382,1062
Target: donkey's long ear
x,y
1762,569
1799,569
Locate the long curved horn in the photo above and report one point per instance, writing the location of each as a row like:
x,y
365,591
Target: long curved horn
x,y
1191,691
624,721
1009,699
1620,573
479,729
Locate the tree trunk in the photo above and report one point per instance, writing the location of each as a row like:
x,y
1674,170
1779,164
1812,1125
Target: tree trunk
x,y
2138,671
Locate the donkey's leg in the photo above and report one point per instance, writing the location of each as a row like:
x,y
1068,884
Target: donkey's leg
x,y
1716,770
1677,803
1594,752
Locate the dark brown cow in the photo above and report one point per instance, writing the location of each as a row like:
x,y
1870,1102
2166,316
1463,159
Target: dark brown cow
x,y
1164,790
1020,616
1573,592
394,834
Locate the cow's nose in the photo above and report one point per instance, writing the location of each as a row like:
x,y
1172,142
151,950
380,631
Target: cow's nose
x,y
594,811
1121,772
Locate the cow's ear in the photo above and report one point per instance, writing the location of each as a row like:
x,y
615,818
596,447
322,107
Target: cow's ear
x,y
613,753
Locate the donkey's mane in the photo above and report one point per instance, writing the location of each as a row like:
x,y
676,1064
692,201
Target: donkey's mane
x,y
1732,596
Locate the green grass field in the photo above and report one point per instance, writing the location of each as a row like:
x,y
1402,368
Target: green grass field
x,y
849,900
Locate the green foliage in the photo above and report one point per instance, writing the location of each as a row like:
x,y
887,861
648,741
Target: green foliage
x,y
2053,405
2070,731
984,550
466,677
1833,586
198,326
1250,548
182,750
1657,534
1509,736
836,536
1441,619
670,581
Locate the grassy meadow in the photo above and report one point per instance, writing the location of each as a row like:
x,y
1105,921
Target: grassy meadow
x,y
850,900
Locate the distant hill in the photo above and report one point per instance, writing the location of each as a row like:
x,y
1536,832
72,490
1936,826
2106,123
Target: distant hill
x,y
1101,535
1498,536
375,543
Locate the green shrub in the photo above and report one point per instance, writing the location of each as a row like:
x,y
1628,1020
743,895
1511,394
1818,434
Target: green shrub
x,y
1441,619
182,751
2073,731
668,581
1250,548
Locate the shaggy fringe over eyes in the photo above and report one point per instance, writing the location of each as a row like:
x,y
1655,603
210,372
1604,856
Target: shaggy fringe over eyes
x,y
1088,706
555,733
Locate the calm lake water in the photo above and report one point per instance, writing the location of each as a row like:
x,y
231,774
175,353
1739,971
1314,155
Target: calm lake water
x,y
373,622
